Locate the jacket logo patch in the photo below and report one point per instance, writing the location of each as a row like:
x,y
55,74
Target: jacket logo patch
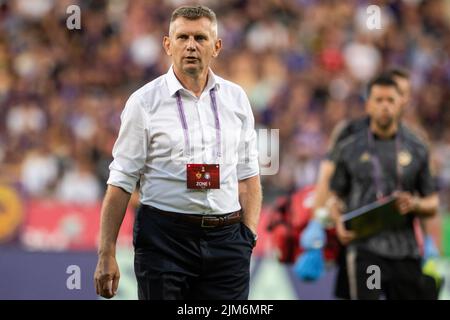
x,y
364,157
404,158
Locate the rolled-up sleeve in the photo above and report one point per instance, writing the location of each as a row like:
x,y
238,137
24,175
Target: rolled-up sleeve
x,y
130,148
248,165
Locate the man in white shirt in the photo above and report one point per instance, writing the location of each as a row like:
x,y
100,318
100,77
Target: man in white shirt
x,y
188,137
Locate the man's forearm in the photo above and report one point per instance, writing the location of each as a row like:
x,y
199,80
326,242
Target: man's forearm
x,y
427,206
250,198
336,207
322,191
113,211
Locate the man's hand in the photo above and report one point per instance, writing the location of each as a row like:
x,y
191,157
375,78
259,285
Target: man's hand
x,y
345,236
253,228
250,198
107,276
336,208
406,202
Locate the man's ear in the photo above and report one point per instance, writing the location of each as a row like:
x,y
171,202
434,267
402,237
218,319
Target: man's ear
x,y
217,48
166,45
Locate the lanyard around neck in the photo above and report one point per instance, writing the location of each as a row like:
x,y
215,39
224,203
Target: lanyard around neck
x,y
185,125
377,170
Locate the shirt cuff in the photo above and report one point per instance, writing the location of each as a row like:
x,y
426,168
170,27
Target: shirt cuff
x,y
122,180
247,171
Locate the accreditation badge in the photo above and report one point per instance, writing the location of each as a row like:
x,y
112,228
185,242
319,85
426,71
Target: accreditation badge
x,y
202,176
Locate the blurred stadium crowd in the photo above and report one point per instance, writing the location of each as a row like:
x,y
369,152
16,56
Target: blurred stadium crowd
x,y
304,65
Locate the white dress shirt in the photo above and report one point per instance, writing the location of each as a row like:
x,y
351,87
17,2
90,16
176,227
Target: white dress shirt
x,y
152,145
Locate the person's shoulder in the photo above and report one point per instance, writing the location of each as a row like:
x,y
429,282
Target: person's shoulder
x,y
350,127
355,139
339,133
358,125
415,133
347,128
414,140
229,86
150,87
148,93
351,143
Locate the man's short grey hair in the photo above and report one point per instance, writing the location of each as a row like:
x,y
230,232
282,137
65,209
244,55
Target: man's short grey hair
x,y
194,13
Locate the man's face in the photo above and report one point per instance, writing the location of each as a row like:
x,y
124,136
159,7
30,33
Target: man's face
x,y
405,88
192,44
384,105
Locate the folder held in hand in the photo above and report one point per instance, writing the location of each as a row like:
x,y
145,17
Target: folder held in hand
x,y
373,218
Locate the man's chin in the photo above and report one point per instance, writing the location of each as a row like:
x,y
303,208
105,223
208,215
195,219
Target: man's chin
x,y
192,70
384,125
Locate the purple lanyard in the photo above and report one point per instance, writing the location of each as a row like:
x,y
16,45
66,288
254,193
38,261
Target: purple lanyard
x,y
185,126
377,164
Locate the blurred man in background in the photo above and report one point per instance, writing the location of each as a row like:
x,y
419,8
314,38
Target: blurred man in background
x,y
385,159
323,200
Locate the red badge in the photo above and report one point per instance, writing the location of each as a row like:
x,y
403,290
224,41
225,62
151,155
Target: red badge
x,y
203,176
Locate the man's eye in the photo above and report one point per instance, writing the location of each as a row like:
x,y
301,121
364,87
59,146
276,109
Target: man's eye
x,y
183,36
200,38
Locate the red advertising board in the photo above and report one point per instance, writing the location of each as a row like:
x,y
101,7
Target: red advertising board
x,y
50,225
58,226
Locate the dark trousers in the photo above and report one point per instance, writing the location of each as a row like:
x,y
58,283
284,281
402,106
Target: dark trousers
x,y
178,260
341,289
400,279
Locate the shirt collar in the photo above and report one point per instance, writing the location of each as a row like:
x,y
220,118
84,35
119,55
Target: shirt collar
x,y
174,84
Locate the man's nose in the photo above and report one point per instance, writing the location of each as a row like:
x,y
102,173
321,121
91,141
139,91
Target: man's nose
x,y
191,44
387,107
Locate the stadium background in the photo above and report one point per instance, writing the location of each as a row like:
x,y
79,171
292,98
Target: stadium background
x,y
303,64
